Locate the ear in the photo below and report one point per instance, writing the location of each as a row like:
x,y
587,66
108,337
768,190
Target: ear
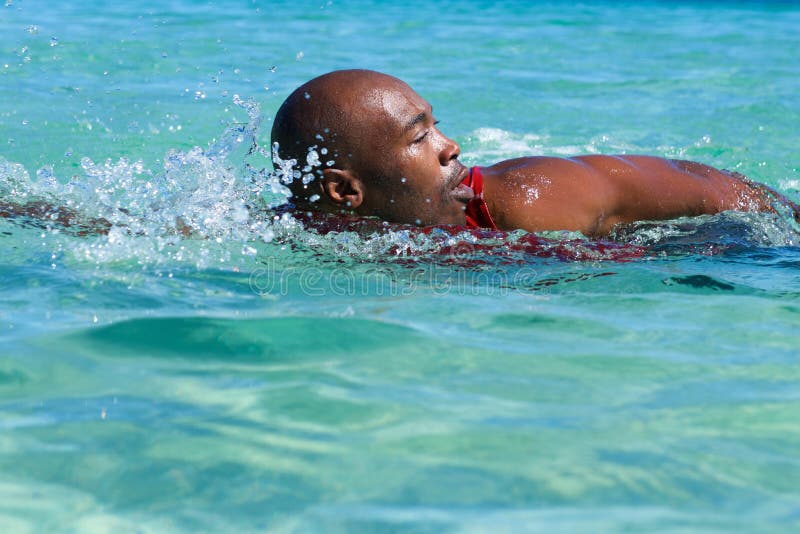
x,y
343,188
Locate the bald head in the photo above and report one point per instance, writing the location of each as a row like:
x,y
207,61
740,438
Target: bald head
x,y
333,117
367,142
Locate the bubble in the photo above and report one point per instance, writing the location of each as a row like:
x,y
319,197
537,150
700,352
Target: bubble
x,y
299,56
33,29
323,151
54,41
312,159
313,198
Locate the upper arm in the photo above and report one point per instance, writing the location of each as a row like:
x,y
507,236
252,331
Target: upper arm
x,y
591,194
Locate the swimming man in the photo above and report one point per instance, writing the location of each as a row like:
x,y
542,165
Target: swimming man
x,y
381,154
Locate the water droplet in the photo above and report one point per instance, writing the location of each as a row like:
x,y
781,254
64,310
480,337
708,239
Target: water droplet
x,y
313,198
307,96
323,151
418,222
299,56
273,68
54,41
330,163
403,180
33,29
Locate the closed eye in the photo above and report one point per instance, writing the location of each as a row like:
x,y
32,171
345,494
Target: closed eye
x,y
421,138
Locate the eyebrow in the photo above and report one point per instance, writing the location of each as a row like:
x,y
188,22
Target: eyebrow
x,y
416,120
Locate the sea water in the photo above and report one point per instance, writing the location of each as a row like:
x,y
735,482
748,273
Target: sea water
x,y
257,376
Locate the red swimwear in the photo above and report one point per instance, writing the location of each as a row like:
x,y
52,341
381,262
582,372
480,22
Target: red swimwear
x,y
477,212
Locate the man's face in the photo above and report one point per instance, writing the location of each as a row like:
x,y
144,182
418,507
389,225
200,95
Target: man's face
x,y
410,169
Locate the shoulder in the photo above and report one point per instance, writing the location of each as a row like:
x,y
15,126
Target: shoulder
x,y
551,176
534,165
546,193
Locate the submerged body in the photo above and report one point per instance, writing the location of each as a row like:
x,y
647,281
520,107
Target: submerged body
x,y
389,159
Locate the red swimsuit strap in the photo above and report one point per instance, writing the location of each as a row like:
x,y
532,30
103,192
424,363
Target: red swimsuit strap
x,y
477,213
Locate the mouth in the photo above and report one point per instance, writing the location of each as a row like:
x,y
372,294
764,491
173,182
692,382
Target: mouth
x,y
458,190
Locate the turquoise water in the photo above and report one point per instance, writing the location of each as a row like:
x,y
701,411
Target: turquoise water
x,y
259,377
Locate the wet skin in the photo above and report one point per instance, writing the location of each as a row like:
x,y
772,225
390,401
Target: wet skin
x,y
402,168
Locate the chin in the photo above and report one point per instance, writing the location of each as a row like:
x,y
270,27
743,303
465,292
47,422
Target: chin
x,y
450,216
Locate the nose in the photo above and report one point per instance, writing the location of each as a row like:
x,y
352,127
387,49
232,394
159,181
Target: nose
x,y
450,151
